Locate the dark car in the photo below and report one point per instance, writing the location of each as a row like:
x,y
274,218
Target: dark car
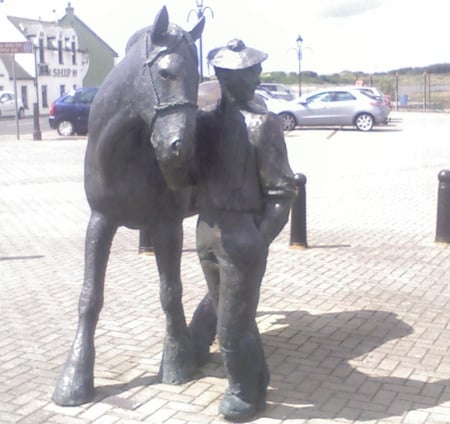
x,y
69,114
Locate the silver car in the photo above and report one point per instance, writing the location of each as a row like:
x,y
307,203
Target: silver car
x,y
8,105
333,106
278,91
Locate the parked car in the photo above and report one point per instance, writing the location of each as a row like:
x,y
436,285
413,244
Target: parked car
x,y
333,106
209,94
374,91
263,96
8,105
69,114
279,91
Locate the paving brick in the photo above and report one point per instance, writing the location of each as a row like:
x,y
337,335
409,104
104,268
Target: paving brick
x,y
356,328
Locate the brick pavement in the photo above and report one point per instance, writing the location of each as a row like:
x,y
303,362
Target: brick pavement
x,y
356,328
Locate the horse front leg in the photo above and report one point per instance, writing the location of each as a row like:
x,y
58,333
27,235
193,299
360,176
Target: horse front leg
x,y
76,382
178,362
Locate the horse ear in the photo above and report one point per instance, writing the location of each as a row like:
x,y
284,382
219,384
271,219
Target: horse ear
x,y
196,32
161,24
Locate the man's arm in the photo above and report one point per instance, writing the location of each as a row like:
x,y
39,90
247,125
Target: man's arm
x,y
277,178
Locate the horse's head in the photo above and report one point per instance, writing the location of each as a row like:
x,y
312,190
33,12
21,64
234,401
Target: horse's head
x,y
171,67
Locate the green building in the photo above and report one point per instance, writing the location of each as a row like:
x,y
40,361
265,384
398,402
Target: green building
x,y
102,57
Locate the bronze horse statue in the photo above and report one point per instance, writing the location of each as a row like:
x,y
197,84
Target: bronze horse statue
x,y
138,162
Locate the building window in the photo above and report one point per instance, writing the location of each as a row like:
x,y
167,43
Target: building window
x,y
74,53
62,89
60,52
41,51
44,96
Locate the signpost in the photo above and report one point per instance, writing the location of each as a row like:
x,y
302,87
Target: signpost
x,y
12,48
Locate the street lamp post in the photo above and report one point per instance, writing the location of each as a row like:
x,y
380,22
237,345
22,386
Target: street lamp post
x,y
37,135
299,42
200,12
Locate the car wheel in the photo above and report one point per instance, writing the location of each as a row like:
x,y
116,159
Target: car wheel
x,y
288,121
364,122
65,128
21,113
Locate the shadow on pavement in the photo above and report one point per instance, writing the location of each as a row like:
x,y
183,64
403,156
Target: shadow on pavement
x,y
314,378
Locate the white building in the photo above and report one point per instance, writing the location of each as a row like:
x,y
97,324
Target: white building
x,y
60,61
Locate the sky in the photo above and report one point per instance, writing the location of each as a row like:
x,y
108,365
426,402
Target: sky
x,y
355,35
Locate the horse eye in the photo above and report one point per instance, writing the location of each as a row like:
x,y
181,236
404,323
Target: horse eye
x,y
166,74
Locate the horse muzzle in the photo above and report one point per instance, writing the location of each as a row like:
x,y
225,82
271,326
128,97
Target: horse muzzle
x,y
173,139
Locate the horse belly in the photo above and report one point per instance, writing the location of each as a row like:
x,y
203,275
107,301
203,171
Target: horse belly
x,y
129,189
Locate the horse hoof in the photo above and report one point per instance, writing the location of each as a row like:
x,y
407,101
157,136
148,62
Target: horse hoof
x,y
175,374
233,408
73,388
178,363
202,330
73,397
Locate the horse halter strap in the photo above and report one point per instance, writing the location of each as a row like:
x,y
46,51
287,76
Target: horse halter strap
x,y
165,106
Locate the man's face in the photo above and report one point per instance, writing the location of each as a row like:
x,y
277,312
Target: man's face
x,y
240,84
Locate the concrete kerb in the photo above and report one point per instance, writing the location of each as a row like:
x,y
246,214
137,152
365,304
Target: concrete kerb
x,y
47,135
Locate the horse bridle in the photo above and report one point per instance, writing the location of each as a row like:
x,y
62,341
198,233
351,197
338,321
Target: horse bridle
x,y
161,107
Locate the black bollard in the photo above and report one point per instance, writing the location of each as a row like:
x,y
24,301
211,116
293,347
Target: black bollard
x,y
298,215
443,208
145,243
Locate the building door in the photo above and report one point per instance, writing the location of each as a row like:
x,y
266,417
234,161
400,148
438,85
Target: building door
x,y
24,94
44,96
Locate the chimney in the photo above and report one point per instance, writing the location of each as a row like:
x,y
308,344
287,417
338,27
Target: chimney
x,y
69,10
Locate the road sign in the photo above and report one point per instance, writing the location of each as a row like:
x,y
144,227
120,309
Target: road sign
x,y
13,47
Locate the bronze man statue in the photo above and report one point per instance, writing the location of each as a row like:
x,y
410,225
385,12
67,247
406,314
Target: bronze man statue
x,y
245,186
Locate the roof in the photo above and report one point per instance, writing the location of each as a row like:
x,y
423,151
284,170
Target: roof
x,y
27,26
69,19
21,73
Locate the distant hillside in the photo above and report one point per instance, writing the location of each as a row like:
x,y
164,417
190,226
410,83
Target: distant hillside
x,y
349,77
427,87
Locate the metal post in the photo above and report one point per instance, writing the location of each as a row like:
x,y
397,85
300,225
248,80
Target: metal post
x,y
299,73
298,215
443,208
145,243
200,42
37,135
13,59
299,41
396,91
425,90
200,12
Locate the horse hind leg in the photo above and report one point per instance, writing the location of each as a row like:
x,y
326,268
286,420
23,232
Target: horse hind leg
x,y
178,361
76,382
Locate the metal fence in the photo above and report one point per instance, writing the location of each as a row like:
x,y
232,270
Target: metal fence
x,y
418,92
408,91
